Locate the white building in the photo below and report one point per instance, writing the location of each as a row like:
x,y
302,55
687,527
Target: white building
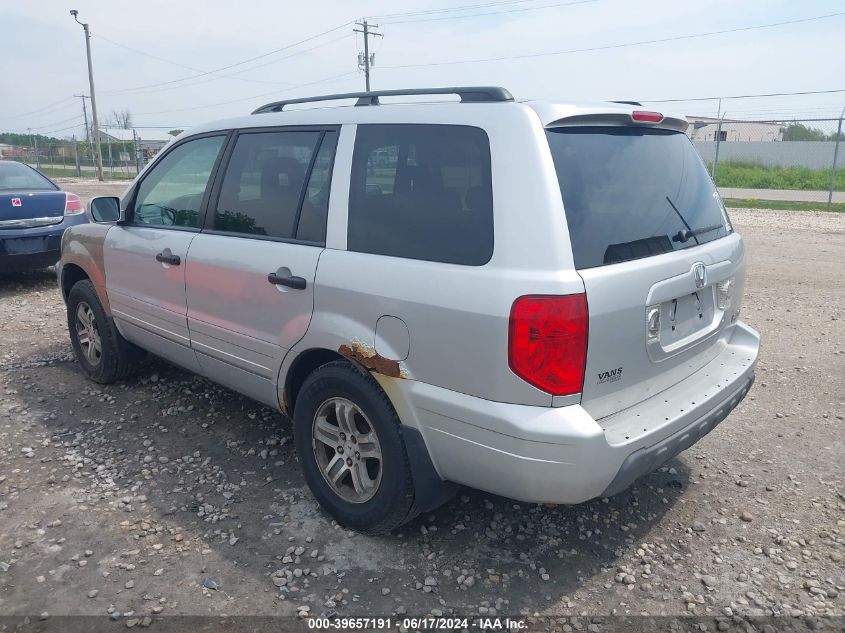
x,y
152,140
702,128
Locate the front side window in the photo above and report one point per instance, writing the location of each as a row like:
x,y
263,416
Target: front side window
x,y
422,192
171,193
266,180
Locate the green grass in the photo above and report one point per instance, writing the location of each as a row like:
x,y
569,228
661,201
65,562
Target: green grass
x,y
70,172
783,205
752,176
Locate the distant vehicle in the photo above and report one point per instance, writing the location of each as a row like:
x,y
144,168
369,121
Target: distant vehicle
x,y
538,300
34,212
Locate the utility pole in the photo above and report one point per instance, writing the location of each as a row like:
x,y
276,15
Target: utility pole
x,y
368,61
85,115
96,126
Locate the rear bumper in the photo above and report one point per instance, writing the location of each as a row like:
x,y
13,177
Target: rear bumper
x,y
28,261
646,460
34,248
563,455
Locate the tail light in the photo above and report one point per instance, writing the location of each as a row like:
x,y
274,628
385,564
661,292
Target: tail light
x,y
73,205
725,291
643,116
547,343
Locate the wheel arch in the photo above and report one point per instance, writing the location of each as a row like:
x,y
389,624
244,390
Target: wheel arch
x,y
71,275
302,365
430,489
82,258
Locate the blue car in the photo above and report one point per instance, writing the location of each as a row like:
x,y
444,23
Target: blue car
x,y
34,213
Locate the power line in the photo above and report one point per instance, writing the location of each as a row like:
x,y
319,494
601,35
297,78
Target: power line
x,y
767,94
47,107
240,63
75,117
242,99
615,46
180,65
465,7
70,127
274,61
488,13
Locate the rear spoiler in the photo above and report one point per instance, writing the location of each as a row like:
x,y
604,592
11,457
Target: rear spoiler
x,y
620,119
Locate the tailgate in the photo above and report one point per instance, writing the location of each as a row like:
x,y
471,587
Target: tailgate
x,y
627,361
662,268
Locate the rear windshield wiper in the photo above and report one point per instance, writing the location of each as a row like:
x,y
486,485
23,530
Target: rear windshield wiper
x,y
685,234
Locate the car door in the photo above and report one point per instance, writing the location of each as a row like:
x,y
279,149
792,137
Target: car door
x,y
145,255
250,273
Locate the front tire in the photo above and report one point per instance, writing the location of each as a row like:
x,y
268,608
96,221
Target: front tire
x,y
104,355
349,441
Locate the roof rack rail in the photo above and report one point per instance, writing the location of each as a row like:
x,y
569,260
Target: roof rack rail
x,y
477,94
633,103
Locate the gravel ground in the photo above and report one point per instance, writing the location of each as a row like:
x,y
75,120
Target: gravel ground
x,y
170,495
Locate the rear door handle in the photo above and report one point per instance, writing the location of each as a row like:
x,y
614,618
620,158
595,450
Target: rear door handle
x,y
290,281
168,258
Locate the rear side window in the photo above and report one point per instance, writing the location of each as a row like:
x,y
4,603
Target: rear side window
x,y
422,192
633,192
266,181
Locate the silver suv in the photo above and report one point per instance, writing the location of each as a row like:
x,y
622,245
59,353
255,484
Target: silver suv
x,y
538,300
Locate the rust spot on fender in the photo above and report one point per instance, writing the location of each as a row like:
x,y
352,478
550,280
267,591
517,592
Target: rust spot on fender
x,y
373,361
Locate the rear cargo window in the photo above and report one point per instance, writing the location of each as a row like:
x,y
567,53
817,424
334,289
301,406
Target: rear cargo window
x,y
632,192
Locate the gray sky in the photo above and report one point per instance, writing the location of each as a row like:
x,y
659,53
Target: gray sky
x,y
43,61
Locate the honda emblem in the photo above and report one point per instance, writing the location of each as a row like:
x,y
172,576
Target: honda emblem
x,y
699,273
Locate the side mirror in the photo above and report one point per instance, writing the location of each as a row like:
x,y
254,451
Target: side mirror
x,y
104,209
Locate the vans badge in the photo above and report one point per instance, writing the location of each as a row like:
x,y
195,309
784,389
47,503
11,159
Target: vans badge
x,y
610,376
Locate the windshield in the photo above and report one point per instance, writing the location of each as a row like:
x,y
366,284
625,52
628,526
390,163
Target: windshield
x,y
18,177
632,192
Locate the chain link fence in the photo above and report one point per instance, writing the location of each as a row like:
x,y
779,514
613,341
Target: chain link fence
x,y
778,164
122,160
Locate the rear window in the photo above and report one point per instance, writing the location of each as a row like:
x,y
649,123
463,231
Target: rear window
x,y
17,177
632,192
422,192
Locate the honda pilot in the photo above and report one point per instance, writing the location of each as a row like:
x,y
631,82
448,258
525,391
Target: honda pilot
x,y
538,300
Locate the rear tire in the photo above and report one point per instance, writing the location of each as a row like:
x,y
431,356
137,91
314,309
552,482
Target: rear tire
x,y
349,441
104,355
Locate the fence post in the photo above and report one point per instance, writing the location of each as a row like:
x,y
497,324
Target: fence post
x,y
76,158
718,141
111,161
835,156
138,158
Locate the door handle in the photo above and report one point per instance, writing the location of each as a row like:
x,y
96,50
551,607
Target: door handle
x,y
290,281
173,260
